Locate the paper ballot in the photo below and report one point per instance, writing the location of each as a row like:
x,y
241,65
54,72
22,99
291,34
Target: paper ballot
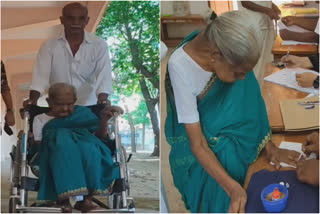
x,y
287,77
295,147
294,28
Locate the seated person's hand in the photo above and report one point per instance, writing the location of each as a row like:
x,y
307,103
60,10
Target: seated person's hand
x,y
30,138
20,133
288,20
293,61
306,80
308,171
109,112
277,155
286,34
311,144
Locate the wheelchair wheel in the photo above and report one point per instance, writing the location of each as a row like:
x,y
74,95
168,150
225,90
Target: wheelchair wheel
x,y
12,205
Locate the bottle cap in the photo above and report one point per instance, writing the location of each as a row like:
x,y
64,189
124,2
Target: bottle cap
x,y
276,194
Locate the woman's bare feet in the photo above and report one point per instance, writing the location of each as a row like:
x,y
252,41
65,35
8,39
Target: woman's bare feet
x,y
86,205
65,206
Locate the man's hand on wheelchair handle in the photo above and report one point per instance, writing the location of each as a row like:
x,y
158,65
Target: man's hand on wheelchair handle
x,y
109,112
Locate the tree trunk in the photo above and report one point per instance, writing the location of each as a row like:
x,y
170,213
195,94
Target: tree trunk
x,y
143,135
153,115
151,102
133,130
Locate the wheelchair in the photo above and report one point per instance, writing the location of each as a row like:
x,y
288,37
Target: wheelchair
x,y
118,200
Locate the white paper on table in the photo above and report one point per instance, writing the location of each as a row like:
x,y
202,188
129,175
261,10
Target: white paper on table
x,y
292,42
287,77
294,28
295,147
312,95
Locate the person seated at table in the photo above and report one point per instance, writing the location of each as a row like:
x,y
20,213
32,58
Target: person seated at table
x,y
308,170
73,160
306,79
309,24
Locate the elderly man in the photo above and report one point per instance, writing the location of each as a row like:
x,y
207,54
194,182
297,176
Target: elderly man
x,y
75,57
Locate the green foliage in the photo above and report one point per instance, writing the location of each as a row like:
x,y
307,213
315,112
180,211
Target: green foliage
x,y
133,30
133,27
139,116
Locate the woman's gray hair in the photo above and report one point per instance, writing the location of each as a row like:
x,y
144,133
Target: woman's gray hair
x,y
58,88
236,36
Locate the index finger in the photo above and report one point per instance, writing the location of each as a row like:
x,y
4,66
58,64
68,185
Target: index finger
x,y
242,206
234,207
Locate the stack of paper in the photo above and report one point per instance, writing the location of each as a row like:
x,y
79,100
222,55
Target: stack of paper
x,y
294,28
299,115
287,77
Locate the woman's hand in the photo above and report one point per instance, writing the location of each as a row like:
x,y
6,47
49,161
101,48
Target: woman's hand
x,y
9,118
311,144
308,171
276,155
306,80
293,61
238,198
288,20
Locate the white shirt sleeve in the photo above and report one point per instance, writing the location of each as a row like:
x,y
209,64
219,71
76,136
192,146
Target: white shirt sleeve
x,y
163,50
316,30
103,71
42,69
37,127
185,100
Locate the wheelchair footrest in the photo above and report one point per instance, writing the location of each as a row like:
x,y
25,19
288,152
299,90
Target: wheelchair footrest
x,y
30,184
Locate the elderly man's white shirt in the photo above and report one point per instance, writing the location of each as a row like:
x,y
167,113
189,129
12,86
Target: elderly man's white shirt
x,y
89,71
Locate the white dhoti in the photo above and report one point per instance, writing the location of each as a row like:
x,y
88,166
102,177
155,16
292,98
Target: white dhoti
x,y
265,36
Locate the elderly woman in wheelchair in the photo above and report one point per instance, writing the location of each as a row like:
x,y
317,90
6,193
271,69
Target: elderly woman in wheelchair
x,y
73,159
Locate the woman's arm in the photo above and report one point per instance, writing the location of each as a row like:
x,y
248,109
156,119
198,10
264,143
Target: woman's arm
x,y
208,160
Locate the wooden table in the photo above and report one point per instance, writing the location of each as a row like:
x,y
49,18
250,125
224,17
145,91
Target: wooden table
x,y
272,94
279,50
165,20
262,163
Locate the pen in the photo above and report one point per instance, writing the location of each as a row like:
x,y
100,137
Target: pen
x,y
287,55
300,157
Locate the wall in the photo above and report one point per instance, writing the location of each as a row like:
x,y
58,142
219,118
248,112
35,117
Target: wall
x,y
182,30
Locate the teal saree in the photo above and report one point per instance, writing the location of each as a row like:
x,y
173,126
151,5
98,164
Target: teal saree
x,y
234,121
73,161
